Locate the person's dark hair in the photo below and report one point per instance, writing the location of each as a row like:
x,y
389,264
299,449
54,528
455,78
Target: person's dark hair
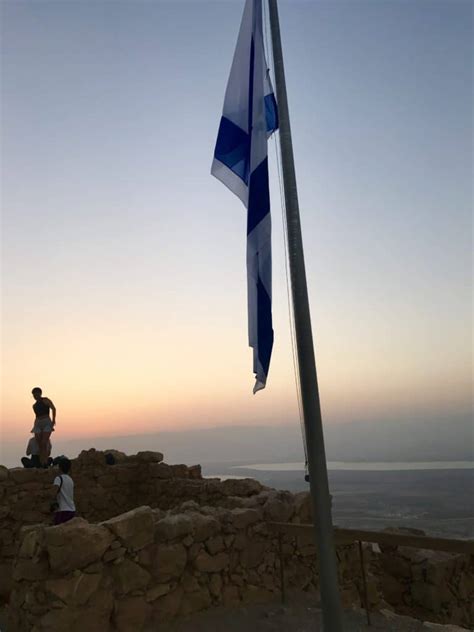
x,y
64,465
37,389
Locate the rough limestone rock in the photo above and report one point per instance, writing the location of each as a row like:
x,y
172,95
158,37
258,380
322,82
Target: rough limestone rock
x,y
120,457
88,458
32,541
157,591
278,508
160,470
170,561
147,456
396,566
6,581
195,471
94,617
211,563
134,528
304,507
130,576
392,589
21,475
174,526
75,590
215,585
242,518
30,570
215,545
429,596
204,526
3,473
241,487
75,544
195,601
168,606
252,555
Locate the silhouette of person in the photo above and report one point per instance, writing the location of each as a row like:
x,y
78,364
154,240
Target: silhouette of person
x,y
32,450
44,425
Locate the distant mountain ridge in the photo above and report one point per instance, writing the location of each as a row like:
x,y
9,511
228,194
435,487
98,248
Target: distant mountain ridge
x,y
427,441
434,440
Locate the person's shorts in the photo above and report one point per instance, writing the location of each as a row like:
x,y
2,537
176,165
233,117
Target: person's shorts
x,y
42,424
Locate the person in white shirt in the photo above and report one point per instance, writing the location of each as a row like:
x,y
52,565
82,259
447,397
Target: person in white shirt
x,y
64,509
33,450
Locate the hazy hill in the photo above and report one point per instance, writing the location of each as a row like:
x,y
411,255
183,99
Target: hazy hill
x,y
361,441
358,441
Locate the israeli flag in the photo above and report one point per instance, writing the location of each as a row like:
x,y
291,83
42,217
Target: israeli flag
x,y
240,162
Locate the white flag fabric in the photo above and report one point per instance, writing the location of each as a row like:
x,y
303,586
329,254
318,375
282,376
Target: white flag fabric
x,y
240,162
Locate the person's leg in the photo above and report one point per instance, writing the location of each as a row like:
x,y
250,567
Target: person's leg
x,y
35,461
39,443
60,517
44,447
26,462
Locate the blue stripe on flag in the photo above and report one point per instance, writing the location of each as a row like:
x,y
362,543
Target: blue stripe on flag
x,y
233,148
251,77
265,327
271,113
259,196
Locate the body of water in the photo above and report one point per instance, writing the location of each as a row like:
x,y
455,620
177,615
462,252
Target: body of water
x,y
436,497
363,467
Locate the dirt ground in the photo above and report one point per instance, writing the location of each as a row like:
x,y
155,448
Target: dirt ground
x,y
297,616
300,616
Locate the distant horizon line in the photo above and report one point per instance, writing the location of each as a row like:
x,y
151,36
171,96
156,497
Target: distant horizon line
x,y
221,428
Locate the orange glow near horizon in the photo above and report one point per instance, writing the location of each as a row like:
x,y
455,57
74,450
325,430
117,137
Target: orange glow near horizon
x,y
126,378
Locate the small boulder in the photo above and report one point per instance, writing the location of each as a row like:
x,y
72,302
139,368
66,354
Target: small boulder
x,y
242,518
168,606
134,528
211,563
174,526
241,487
204,526
147,456
75,544
130,576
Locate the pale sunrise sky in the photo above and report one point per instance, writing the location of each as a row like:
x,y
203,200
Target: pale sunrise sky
x,y
123,260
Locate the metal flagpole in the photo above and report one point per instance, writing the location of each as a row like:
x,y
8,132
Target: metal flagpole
x,y
318,476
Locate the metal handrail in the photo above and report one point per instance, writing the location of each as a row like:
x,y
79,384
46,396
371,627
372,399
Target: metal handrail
x,y
348,536
353,536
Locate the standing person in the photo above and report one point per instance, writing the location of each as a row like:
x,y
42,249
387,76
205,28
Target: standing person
x,y
44,425
64,508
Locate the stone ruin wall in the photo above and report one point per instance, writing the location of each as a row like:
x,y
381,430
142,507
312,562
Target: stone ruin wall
x,y
147,566
102,491
201,543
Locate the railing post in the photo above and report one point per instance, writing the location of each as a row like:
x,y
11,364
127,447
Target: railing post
x,y
282,568
364,582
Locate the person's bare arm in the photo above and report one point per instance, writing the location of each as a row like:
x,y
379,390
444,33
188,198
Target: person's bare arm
x,y
53,408
54,490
